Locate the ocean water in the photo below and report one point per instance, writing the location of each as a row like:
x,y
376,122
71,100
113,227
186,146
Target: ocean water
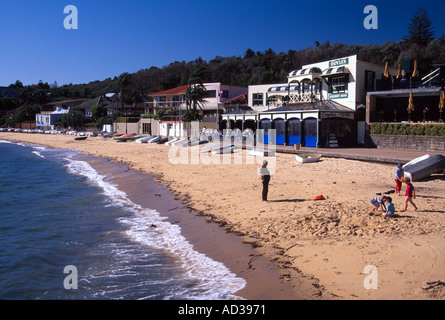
x,y
57,211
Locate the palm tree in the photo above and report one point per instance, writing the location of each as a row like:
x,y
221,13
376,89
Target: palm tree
x,y
195,93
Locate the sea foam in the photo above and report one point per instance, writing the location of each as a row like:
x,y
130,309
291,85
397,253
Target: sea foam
x,y
146,227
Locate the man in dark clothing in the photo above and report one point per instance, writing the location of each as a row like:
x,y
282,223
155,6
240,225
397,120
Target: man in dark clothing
x,y
265,178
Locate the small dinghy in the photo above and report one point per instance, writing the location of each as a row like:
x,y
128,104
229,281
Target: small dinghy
x,y
171,141
144,139
124,137
261,153
162,140
155,139
230,149
180,143
308,157
422,167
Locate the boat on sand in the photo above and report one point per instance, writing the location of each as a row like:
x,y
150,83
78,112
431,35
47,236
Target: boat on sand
x,y
308,157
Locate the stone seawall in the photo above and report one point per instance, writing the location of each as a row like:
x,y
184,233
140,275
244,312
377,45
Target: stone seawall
x,y
403,142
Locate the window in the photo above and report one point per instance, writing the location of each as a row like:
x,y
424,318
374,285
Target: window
x,y
161,101
257,99
369,80
146,128
180,98
271,100
339,84
224,94
210,94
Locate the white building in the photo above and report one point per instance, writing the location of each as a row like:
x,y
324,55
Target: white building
x,y
345,81
318,101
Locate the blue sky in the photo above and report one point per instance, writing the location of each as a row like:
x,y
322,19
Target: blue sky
x,y
118,36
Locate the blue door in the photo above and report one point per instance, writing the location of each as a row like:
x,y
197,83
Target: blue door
x,y
293,131
265,125
280,131
310,132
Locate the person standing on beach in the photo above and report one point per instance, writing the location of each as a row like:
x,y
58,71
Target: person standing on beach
x,y
410,194
398,177
265,178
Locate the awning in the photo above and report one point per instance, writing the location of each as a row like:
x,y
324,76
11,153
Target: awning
x,y
283,89
335,71
303,72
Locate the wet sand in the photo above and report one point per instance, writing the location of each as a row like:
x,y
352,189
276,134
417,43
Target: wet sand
x,y
316,249
205,235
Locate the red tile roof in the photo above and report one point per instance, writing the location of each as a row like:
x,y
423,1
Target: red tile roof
x,y
241,99
171,92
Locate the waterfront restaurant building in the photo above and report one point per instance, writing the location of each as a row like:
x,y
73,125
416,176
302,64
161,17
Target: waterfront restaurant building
x,y
318,100
216,94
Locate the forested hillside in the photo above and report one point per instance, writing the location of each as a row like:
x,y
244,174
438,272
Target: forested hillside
x,y
253,67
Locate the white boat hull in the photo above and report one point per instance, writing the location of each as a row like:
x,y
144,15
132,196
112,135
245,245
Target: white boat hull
x,y
308,157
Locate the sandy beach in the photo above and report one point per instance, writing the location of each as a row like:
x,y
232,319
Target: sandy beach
x,y
312,249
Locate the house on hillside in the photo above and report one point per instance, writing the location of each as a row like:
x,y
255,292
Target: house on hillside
x,y
51,113
86,107
216,94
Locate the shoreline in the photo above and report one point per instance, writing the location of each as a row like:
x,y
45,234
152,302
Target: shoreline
x,y
319,249
206,235
211,239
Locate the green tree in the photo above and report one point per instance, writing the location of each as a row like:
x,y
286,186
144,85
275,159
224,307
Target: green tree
x,y
26,113
74,118
195,93
420,29
249,54
131,97
98,112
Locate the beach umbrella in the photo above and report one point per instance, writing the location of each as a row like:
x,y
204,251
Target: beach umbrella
x,y
386,74
399,71
442,100
411,104
441,104
415,69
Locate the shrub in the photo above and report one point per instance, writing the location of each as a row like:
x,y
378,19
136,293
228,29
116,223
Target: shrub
x,y
405,129
128,119
408,129
390,130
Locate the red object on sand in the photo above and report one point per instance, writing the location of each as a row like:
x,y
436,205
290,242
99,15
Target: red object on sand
x,y
319,197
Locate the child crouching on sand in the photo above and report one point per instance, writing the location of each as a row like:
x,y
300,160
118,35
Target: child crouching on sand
x,y
390,210
378,203
410,194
